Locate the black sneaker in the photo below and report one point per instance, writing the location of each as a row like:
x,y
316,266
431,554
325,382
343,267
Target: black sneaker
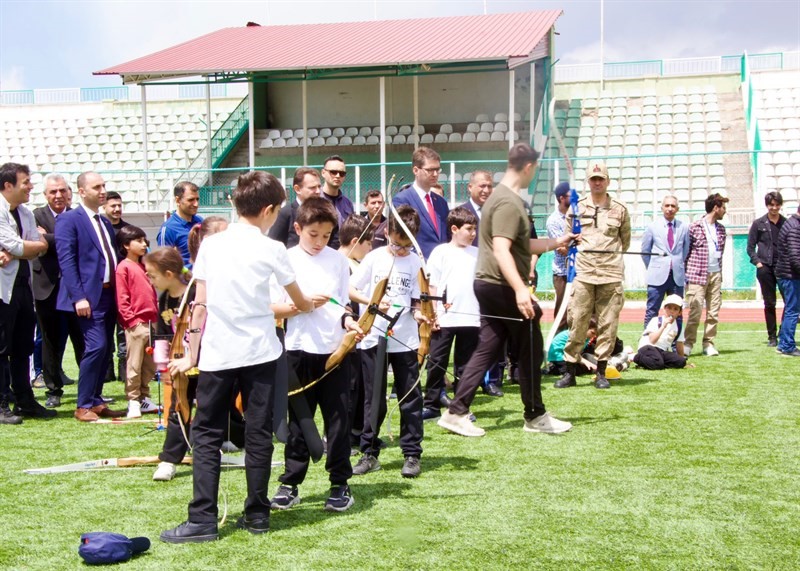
x,y
566,380
8,417
340,499
601,382
411,467
772,342
53,401
366,464
430,413
254,525
285,497
189,532
34,410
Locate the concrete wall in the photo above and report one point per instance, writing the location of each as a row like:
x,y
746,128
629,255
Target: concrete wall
x,y
456,98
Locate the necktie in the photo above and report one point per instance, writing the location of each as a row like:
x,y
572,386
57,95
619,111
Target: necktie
x,y
670,235
431,211
112,260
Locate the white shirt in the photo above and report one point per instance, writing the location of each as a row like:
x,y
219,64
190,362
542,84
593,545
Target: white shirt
x,y
236,265
453,268
667,337
476,206
320,331
713,246
12,242
111,265
403,287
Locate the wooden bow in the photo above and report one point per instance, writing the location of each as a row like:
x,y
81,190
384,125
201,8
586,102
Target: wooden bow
x,y
366,321
179,382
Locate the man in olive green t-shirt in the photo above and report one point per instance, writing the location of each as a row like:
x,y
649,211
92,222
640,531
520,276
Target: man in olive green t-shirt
x,y
504,263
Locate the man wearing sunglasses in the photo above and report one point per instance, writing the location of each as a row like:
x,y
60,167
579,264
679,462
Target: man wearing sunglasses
x,y
431,207
334,173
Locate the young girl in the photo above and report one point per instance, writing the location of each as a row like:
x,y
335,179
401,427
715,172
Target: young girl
x,y
136,307
166,272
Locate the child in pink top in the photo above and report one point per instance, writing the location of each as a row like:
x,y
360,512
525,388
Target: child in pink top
x,y
137,307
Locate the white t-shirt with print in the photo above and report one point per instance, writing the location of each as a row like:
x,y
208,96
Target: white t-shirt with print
x,y
236,266
667,337
453,268
320,331
402,288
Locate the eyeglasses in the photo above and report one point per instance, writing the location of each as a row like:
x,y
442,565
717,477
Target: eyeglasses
x,y
432,170
337,173
399,248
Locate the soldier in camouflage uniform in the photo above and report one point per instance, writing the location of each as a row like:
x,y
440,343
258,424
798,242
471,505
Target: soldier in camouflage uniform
x,y
597,289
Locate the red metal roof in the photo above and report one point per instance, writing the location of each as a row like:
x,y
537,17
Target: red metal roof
x,y
348,45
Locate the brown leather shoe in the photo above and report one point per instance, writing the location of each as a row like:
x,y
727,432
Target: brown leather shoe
x,y
85,415
103,411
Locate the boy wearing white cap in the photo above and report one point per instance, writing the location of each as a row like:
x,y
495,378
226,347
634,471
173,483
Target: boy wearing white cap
x,y
655,345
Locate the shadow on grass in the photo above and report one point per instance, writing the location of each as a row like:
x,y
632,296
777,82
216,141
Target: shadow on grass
x,y
310,510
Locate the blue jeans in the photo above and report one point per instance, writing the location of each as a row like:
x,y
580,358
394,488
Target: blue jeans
x,y
656,294
791,298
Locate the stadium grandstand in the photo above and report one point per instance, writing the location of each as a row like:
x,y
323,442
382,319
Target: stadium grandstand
x,y
690,127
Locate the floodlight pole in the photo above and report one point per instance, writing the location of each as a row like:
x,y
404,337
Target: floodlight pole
x,y
382,90
305,122
414,133
209,158
251,129
145,149
602,34
510,132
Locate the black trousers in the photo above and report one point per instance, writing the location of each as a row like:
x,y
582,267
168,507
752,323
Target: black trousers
x,y
332,394
768,283
17,326
466,340
500,300
356,405
215,394
52,324
406,372
655,359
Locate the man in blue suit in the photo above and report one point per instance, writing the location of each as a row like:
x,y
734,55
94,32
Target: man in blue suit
x,y
665,275
431,207
86,248
480,186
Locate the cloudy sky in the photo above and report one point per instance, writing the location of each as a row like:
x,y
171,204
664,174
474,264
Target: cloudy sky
x,y
49,44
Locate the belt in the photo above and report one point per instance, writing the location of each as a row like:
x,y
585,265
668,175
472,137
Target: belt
x,y
107,285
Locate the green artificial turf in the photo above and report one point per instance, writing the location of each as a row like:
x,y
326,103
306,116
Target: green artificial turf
x,y
667,470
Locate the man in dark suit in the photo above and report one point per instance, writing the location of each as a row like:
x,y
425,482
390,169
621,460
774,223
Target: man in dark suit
x,y
306,183
480,186
431,207
665,275
86,248
54,325
19,242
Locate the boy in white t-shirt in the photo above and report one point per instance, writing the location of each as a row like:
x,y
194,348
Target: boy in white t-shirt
x,y
239,346
395,261
452,268
655,345
310,340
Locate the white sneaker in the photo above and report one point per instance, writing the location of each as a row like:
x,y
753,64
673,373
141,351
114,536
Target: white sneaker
x,y
460,424
229,446
687,349
165,472
134,409
148,406
710,351
547,424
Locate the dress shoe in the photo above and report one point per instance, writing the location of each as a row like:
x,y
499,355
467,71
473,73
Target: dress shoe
x,y
85,415
189,532
103,411
492,390
773,342
65,380
53,402
445,400
38,382
34,410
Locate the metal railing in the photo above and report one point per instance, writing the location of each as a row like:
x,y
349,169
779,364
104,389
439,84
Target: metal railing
x,y
155,92
567,73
